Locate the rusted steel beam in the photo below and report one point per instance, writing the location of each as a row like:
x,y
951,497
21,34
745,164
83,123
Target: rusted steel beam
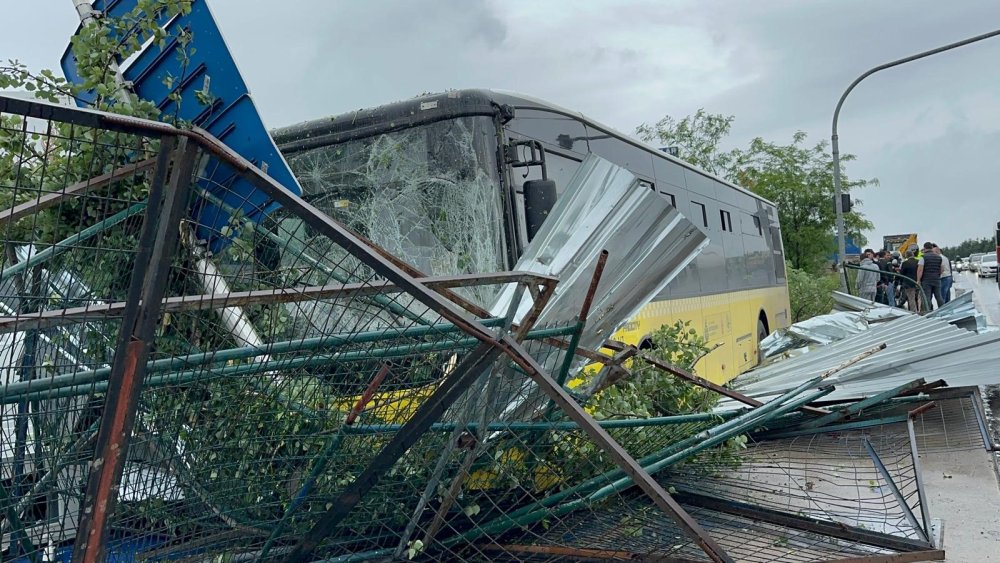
x,y
541,298
367,395
52,199
158,242
921,409
908,557
613,371
925,388
686,375
453,387
104,311
595,280
581,554
823,527
622,459
702,382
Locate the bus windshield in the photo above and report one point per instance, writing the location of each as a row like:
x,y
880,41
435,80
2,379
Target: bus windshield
x,y
430,193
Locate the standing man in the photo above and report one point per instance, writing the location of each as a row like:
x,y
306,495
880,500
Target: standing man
x,y
909,269
929,275
946,278
868,276
886,290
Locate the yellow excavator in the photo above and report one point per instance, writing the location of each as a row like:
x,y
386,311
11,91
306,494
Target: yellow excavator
x,y
900,243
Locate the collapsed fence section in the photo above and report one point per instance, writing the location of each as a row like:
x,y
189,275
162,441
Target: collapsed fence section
x,y
300,393
274,400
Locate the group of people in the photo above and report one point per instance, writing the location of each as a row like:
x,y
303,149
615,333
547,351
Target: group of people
x,y
928,269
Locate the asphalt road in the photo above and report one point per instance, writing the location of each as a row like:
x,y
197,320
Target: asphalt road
x,y
971,533
985,294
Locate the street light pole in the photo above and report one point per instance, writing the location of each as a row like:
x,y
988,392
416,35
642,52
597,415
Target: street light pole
x,y
841,240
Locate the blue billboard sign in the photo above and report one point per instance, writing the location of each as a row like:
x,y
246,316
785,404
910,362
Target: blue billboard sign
x,y
176,85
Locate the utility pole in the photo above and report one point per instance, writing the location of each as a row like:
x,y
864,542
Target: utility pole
x,y
841,238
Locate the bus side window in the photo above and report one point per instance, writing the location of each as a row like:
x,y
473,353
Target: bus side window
x,y
779,255
726,219
556,131
637,160
704,213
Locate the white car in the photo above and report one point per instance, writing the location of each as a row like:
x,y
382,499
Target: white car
x,y
988,268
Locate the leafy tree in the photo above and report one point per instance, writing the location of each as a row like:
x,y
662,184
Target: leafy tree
x,y
27,162
648,392
697,138
797,177
810,294
970,246
651,391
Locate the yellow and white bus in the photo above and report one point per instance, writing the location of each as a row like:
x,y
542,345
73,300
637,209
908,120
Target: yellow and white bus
x,y
438,180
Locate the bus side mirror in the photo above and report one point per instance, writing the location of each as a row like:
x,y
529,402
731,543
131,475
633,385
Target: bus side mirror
x,y
539,197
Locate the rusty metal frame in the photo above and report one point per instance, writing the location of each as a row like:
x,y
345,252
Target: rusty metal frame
x,y
622,459
149,277
823,527
130,364
471,367
104,311
53,198
683,374
350,242
906,557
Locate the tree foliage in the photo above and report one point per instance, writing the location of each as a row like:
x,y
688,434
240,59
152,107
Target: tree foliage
x,y
696,137
653,392
969,247
65,154
797,177
810,294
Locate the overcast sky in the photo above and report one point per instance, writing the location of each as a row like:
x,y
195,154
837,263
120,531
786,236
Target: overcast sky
x,y
929,131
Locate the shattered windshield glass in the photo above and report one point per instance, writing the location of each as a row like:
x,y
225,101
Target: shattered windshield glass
x,y
429,194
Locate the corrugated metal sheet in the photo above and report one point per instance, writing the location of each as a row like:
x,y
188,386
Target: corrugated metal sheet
x,y
605,208
873,311
960,311
916,346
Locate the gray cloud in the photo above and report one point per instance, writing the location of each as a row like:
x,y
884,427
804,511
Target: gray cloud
x,y
928,130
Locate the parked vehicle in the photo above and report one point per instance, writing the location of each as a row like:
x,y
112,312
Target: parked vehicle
x,y
988,267
974,261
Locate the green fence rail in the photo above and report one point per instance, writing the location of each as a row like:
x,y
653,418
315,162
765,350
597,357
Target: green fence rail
x,y
850,280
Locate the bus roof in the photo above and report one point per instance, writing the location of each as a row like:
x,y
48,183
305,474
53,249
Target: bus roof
x,y
442,106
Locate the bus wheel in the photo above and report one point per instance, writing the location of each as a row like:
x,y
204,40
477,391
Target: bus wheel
x,y
761,335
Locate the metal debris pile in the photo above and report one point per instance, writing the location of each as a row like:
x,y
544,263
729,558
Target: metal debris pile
x,y
952,343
